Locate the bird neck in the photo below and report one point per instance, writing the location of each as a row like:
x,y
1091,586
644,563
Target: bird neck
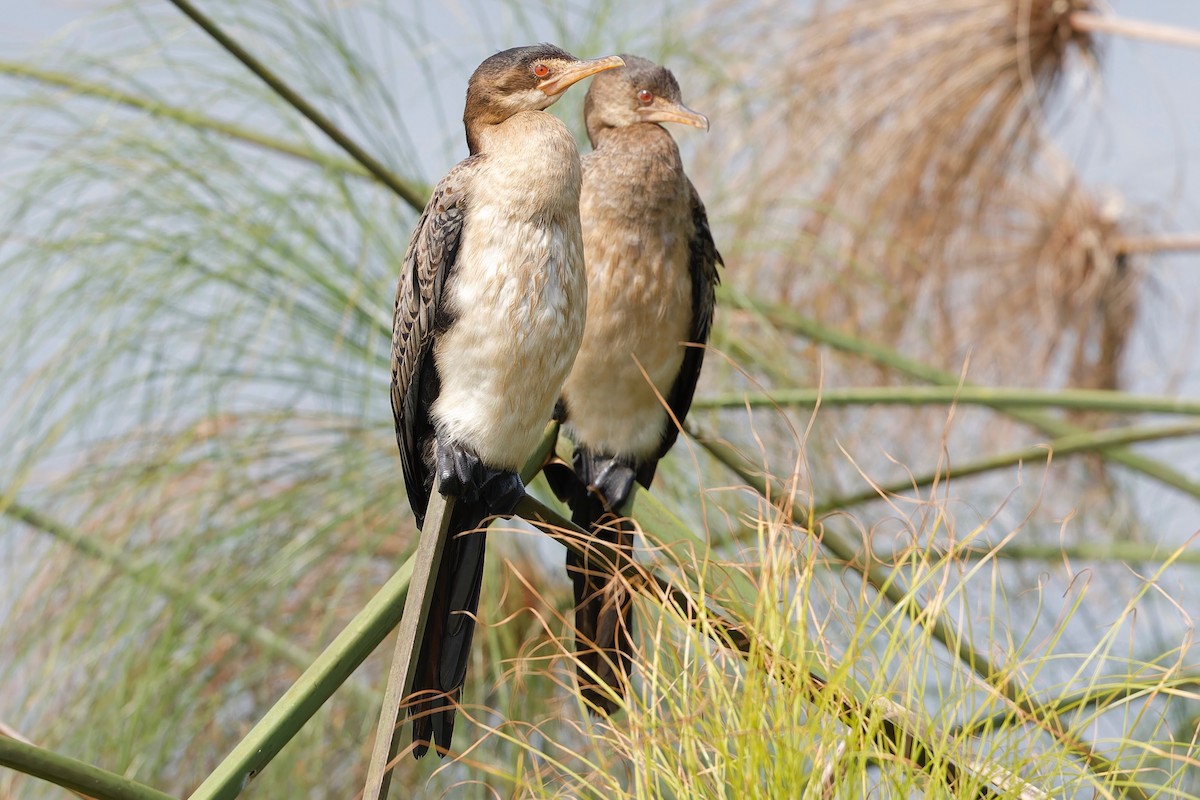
x,y
531,159
523,129
630,138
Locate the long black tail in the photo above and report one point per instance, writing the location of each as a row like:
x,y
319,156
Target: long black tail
x,y
446,646
603,608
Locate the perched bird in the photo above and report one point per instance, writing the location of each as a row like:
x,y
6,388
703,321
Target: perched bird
x,y
652,273
489,315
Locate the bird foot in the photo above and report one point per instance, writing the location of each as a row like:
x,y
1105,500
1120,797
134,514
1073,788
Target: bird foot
x,y
463,475
613,485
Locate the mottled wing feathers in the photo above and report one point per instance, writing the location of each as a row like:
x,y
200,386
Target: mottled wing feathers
x,y
703,261
431,255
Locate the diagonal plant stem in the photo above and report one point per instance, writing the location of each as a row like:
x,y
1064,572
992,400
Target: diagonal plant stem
x,y
1072,444
409,194
12,733
1091,22
993,397
317,684
887,583
1121,552
1158,243
787,318
72,774
1099,698
183,116
310,691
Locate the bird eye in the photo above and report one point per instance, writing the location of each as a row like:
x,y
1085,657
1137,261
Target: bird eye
x,y
541,70
645,96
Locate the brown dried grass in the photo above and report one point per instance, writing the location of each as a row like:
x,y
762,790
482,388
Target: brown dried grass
x,y
903,186
939,104
887,167
1056,296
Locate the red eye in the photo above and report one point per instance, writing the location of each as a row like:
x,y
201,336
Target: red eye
x,y
541,70
645,96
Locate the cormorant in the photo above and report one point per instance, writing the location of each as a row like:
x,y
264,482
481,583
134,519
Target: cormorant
x,y
652,273
489,315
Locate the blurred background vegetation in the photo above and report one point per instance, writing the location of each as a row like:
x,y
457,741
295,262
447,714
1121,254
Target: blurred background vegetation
x,y
198,477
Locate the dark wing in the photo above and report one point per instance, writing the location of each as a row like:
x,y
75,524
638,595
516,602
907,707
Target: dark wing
x,y
431,255
703,261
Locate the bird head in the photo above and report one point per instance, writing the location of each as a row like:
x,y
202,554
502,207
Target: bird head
x,y
640,92
526,79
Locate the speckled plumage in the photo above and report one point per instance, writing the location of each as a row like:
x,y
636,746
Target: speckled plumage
x,y
652,275
519,296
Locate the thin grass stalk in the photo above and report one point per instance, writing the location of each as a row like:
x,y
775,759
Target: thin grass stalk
x,y
897,729
153,577
1093,697
413,197
784,317
999,398
1073,444
1160,243
1118,552
1090,22
887,582
193,119
72,774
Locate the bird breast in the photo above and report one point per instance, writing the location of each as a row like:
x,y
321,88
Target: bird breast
x,y
638,224
517,298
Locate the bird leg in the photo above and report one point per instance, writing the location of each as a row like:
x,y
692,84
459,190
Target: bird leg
x,y
462,474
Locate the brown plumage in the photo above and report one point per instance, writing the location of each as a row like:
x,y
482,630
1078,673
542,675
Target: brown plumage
x,y
652,274
488,318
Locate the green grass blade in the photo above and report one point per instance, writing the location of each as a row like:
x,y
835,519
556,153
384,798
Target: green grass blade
x,y
1072,444
72,774
194,119
1000,398
791,320
888,584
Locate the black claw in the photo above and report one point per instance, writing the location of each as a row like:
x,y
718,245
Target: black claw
x,y
614,484
463,475
448,482
503,492
469,470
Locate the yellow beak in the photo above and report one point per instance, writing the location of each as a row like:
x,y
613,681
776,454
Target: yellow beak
x,y
576,71
666,111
